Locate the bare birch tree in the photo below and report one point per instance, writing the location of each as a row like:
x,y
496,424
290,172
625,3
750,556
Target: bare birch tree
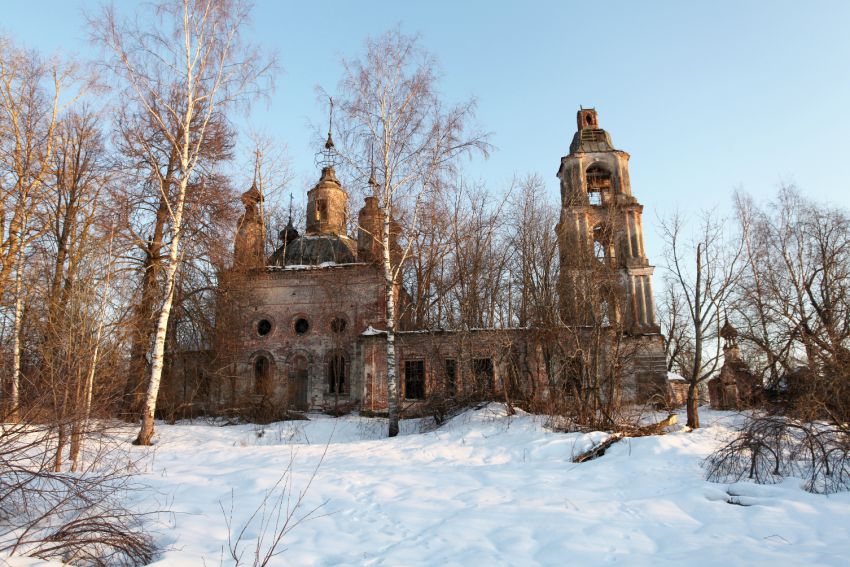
x,y
793,306
390,104
183,71
31,101
704,270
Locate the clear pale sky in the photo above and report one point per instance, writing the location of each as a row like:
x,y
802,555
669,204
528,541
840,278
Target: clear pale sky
x,y
707,97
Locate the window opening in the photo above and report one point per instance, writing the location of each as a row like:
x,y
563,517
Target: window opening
x,y
451,376
338,325
599,250
337,380
482,369
414,379
301,326
573,376
298,382
264,327
262,376
601,240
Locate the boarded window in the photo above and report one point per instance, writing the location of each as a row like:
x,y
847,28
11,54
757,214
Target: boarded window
x,y
451,376
482,370
414,379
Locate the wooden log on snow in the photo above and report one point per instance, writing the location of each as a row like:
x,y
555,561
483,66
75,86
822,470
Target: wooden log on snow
x,y
599,449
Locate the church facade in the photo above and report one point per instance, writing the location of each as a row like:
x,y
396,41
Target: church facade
x,y
305,328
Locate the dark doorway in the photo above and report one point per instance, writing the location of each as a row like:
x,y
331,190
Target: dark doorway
x,y
298,382
262,376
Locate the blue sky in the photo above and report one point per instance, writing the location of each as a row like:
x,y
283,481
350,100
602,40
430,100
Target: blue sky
x,y
707,97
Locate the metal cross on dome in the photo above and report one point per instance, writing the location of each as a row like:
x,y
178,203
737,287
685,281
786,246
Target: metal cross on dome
x,y
328,156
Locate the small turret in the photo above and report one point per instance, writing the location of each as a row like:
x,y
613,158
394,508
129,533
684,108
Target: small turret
x,y
327,204
729,334
370,222
248,244
289,233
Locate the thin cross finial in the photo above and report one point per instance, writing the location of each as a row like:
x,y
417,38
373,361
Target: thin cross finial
x,y
290,208
330,143
330,116
257,155
372,181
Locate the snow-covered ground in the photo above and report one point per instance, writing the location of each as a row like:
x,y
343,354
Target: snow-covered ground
x,y
485,489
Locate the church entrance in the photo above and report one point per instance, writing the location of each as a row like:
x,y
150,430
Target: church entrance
x,y
298,383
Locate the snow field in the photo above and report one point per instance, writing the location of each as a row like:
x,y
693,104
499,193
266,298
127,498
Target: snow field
x,y
485,489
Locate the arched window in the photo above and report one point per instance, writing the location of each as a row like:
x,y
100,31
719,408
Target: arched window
x,y
337,378
338,325
262,376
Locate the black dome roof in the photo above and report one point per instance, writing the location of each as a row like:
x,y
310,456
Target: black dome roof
x,y
314,250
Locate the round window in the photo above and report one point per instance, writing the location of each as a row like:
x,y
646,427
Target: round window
x,y
338,325
301,326
264,327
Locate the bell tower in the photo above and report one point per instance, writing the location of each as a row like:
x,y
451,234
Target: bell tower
x,y
605,277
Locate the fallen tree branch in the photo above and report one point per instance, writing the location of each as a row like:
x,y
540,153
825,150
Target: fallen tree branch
x,y
599,449
642,431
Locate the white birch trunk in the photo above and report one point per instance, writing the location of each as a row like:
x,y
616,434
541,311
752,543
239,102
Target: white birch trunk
x,y
15,394
158,355
392,373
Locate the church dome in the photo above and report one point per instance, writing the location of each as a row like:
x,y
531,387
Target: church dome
x,y
289,233
313,250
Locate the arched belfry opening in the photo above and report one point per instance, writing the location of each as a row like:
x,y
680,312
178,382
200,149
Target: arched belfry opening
x,y
598,184
602,235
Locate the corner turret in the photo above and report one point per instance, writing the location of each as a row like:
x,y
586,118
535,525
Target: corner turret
x,y
248,250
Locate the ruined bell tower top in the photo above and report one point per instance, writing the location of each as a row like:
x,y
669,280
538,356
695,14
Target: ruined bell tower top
x,y
586,118
590,137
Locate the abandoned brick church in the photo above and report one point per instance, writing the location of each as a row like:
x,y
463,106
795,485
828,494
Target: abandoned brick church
x,y
307,332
